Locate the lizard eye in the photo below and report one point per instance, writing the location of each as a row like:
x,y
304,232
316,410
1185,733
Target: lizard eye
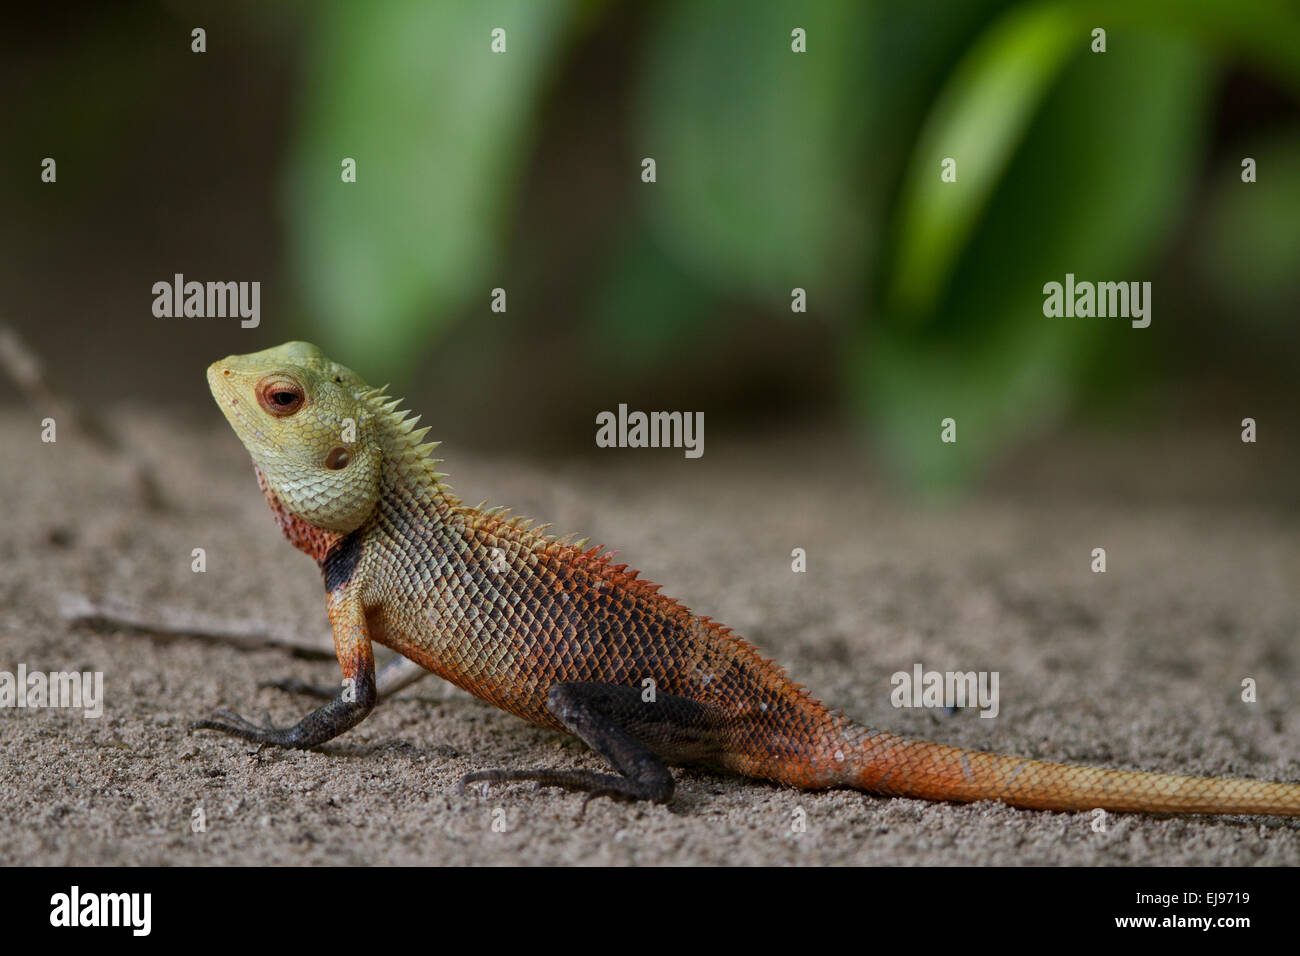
x,y
280,396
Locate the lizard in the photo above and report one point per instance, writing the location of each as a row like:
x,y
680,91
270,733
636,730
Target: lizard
x,y
554,632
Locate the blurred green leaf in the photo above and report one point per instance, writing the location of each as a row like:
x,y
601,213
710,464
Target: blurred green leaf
x,y
439,127
978,121
1092,191
755,145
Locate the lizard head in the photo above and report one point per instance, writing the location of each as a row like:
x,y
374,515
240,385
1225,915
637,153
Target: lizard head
x,y
306,422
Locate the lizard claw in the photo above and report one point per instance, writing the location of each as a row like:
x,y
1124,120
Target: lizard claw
x,y
229,722
479,776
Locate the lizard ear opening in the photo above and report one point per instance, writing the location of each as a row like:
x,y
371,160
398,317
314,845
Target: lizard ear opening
x,y
340,491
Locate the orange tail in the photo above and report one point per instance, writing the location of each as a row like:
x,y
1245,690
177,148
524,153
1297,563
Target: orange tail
x,y
914,768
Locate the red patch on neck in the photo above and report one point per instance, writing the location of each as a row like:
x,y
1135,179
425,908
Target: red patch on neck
x,y
306,537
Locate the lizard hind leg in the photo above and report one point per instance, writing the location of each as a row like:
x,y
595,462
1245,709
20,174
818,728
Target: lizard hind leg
x,y
633,734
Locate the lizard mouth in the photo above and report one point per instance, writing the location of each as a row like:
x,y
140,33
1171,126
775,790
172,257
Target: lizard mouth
x,y
224,383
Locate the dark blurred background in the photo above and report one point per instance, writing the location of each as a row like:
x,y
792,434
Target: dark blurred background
x,y
775,170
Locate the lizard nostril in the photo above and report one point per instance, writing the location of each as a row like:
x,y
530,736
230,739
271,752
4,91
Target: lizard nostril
x,y
225,371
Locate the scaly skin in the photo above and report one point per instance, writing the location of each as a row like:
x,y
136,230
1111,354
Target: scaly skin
x,y
554,633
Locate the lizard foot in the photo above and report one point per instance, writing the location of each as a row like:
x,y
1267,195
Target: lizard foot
x,y
586,781
324,723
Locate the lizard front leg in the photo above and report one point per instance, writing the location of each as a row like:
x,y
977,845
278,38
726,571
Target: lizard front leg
x,y
630,732
356,698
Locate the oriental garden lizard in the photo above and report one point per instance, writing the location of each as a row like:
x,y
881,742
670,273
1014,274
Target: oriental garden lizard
x,y
554,632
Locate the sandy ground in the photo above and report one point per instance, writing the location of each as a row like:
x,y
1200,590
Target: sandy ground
x,y
1138,668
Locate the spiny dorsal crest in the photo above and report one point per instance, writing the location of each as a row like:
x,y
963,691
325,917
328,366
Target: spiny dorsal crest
x,y
404,444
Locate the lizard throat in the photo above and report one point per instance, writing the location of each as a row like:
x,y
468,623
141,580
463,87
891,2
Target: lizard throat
x,y
306,537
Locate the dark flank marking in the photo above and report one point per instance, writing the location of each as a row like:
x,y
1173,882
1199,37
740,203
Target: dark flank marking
x,y
341,561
